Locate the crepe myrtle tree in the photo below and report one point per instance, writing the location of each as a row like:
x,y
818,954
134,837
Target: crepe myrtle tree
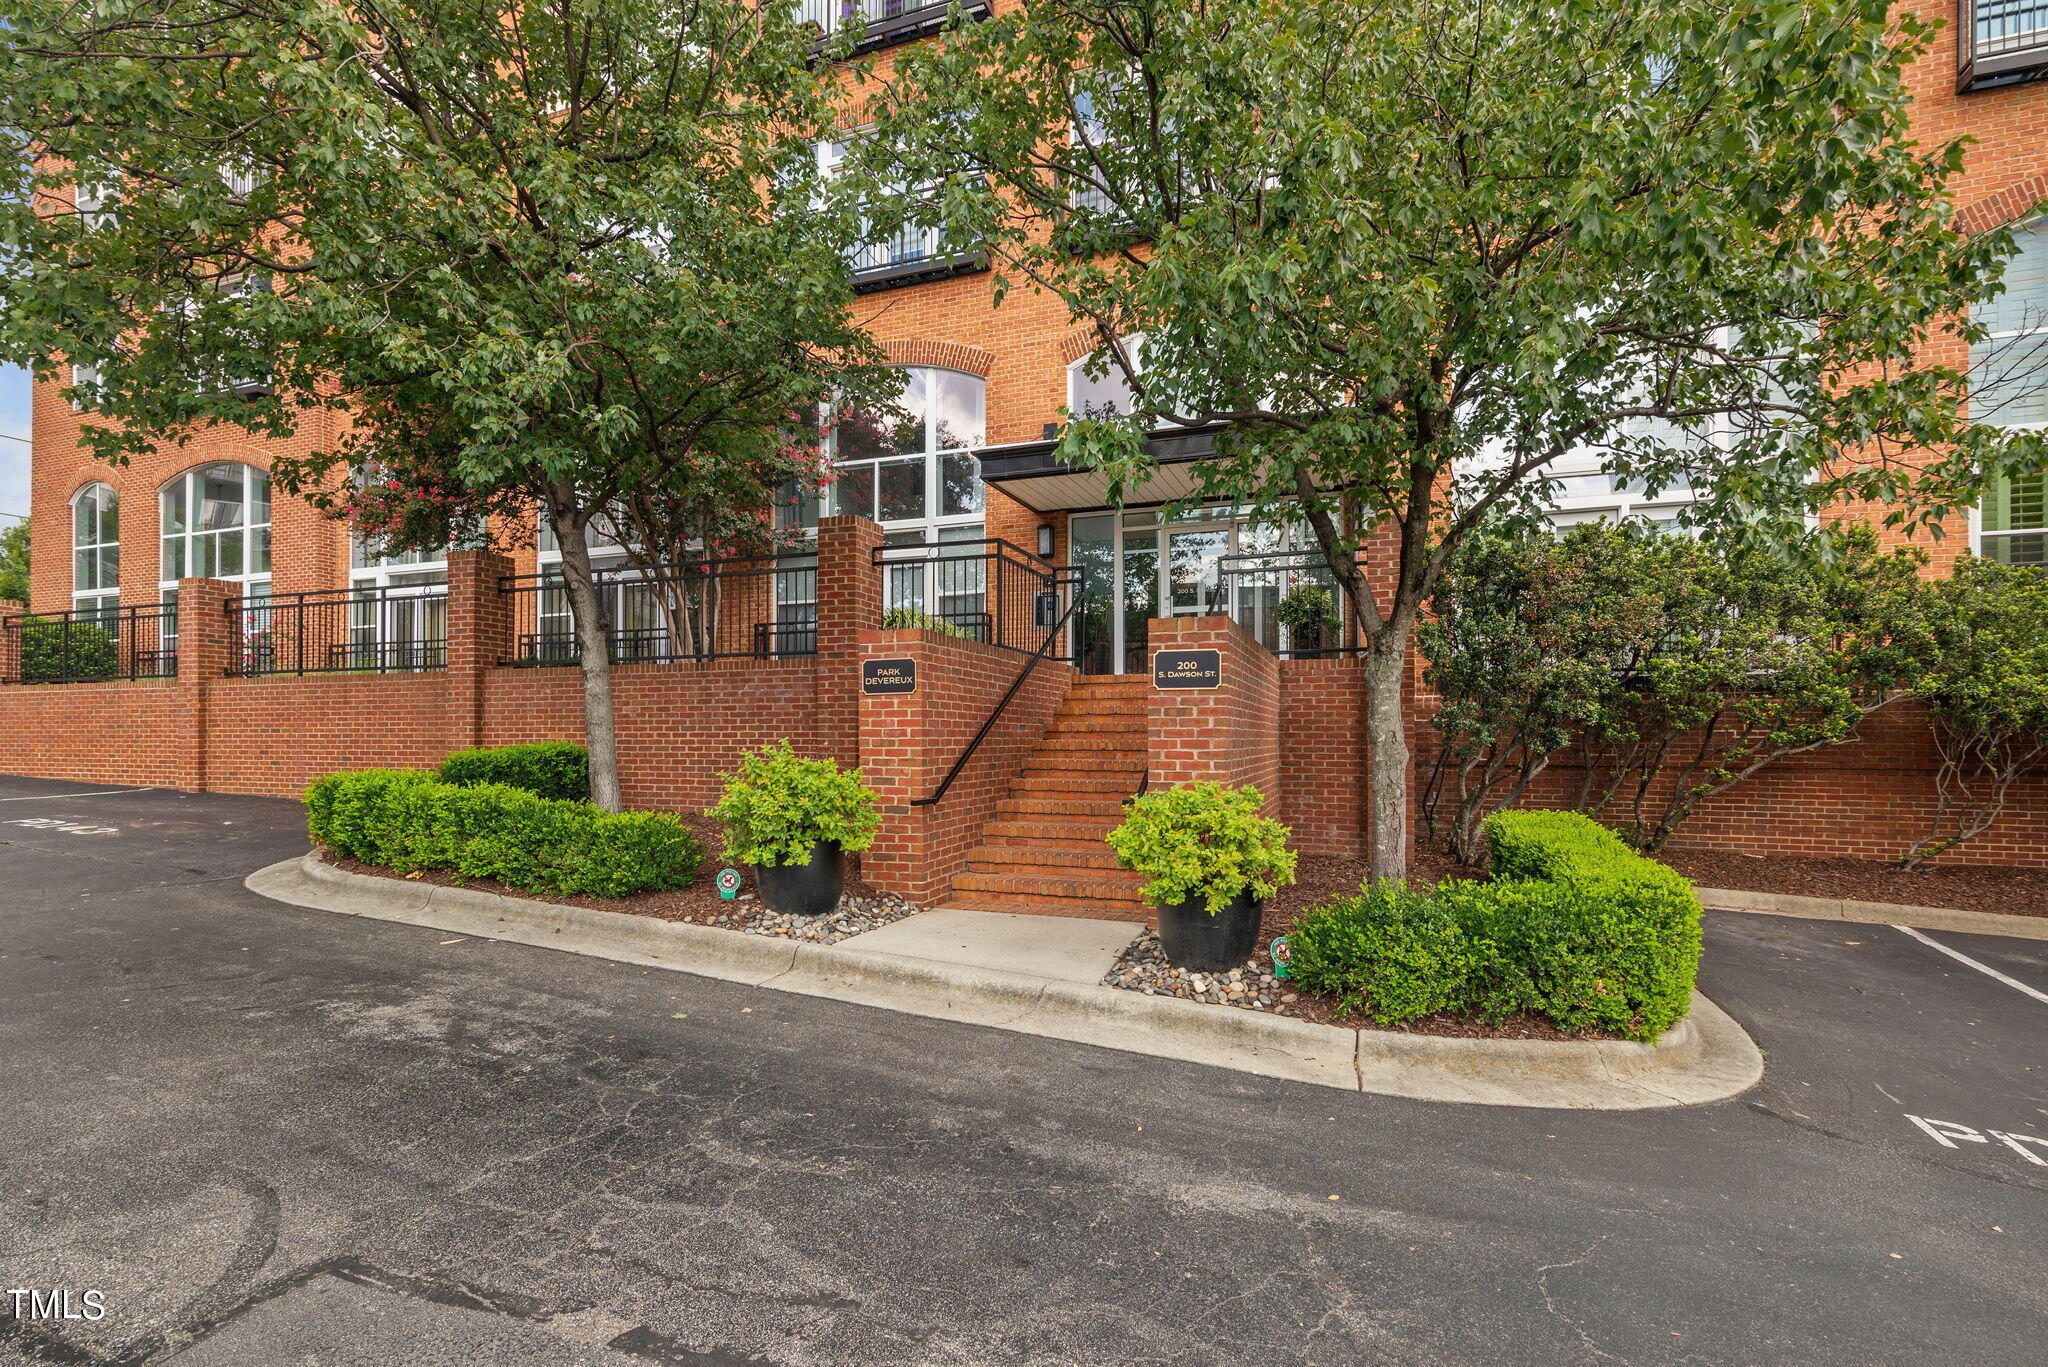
x,y
565,254
1403,256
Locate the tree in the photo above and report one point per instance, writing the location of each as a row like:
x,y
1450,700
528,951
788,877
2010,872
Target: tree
x,y
1984,677
14,563
563,254
1403,256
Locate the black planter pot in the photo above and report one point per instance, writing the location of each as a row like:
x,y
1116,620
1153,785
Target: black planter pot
x,y
1192,938
810,889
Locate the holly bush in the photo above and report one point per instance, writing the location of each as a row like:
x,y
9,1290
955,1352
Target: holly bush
x,y
1206,840
778,805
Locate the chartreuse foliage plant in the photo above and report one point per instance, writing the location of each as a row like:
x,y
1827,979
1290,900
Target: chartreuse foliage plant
x,y
558,769
899,619
778,805
408,819
1204,841
1402,257
1576,927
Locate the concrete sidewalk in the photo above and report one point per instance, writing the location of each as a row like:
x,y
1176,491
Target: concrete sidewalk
x,y
1041,976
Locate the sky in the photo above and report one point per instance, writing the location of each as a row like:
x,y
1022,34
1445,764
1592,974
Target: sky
x,y
13,454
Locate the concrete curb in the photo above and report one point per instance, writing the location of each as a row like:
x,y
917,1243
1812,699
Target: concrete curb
x,y
1876,913
1707,1057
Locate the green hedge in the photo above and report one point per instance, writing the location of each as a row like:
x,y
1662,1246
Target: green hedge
x,y
558,769
1575,926
406,819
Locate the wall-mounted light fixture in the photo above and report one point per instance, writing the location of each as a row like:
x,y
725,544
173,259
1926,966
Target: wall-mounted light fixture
x,y
1045,538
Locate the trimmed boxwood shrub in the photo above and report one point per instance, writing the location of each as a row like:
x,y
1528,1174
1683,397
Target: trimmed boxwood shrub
x,y
407,820
558,769
1575,926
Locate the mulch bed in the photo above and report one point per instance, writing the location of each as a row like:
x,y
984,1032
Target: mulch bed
x,y
1961,887
698,904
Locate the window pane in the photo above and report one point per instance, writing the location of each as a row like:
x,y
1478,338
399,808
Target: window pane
x,y
959,485
84,570
2024,304
259,551
957,404
201,564
174,557
858,435
110,516
854,491
174,508
1088,396
228,550
2028,548
259,495
2016,505
901,490
84,520
221,493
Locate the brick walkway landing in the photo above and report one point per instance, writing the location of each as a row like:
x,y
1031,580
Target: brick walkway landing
x,y
1044,852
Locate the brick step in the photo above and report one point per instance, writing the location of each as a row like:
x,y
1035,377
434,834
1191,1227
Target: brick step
x,y
1112,685
1037,859
1091,885
1126,749
1087,760
1063,725
1049,835
1137,913
1074,809
1134,708
1075,783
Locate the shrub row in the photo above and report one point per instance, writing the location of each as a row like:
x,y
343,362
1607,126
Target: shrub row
x,y
558,769
1575,926
406,820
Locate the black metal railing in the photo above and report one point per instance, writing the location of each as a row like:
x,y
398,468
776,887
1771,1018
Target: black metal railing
x,y
987,590
93,645
887,21
2001,42
363,630
1251,587
753,606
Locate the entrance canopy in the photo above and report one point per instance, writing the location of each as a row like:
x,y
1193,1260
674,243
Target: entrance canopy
x,y
1029,472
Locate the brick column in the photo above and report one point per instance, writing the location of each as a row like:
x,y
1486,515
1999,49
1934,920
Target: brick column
x,y
849,602
1229,733
206,652
10,641
479,637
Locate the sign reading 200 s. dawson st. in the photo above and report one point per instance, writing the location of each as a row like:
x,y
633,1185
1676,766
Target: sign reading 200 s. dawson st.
x,y
888,676
1187,669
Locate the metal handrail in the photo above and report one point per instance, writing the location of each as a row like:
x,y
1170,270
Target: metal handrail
x,y
1074,600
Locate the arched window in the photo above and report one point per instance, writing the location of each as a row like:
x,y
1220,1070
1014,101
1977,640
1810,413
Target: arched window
x,y
96,549
1088,396
2009,388
915,473
216,525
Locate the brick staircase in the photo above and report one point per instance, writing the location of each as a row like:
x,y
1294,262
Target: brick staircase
x,y
1044,851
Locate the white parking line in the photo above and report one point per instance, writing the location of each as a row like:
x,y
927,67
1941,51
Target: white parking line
x,y
1985,969
52,797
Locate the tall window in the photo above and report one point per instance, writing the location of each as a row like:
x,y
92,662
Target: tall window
x,y
2009,388
1088,396
216,525
916,473
96,549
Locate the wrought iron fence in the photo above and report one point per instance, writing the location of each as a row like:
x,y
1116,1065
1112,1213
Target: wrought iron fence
x,y
757,606
93,645
987,590
1254,585
362,630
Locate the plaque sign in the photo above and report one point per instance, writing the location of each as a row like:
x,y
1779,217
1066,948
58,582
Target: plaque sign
x,y
888,676
1187,669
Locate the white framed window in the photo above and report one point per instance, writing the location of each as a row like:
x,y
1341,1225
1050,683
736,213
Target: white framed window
x,y
909,245
97,201
920,470
2009,384
1088,396
85,384
216,525
96,549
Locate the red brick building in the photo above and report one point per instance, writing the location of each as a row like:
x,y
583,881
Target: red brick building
x,y
987,383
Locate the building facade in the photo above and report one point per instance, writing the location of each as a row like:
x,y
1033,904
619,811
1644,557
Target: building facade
x,y
985,387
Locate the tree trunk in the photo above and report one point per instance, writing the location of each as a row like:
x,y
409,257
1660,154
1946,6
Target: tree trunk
x,y
1386,735
593,653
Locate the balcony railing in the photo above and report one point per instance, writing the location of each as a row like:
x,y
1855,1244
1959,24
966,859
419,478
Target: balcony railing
x,y
1254,584
753,607
888,22
2000,42
94,645
364,630
987,590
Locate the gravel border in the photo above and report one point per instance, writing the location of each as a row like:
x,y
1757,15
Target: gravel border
x,y
853,916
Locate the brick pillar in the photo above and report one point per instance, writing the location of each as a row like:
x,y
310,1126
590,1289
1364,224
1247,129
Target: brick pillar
x,y
849,602
10,641
479,637
1229,733
206,652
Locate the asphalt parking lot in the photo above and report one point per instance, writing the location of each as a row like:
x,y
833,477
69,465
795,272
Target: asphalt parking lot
x,y
267,1135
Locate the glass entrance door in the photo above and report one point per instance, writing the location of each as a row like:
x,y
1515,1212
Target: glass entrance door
x,y
1193,569
1139,566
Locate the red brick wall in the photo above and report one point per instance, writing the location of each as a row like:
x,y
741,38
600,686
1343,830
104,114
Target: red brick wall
x,y
97,733
908,742
275,735
1322,755
1227,734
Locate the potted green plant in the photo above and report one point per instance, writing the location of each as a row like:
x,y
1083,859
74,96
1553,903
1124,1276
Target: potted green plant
x,y
1309,612
795,820
1210,860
